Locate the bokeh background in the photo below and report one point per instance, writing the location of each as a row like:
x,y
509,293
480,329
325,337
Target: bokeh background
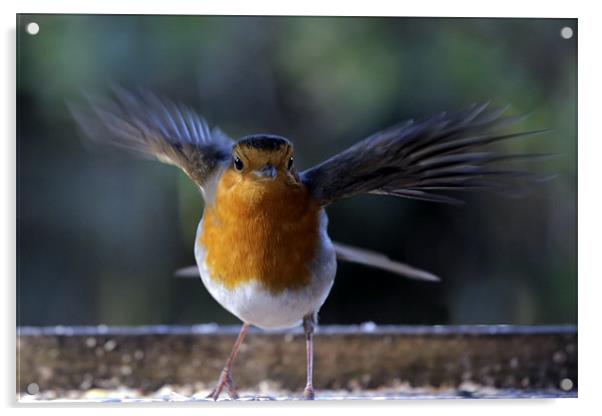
x,y
100,232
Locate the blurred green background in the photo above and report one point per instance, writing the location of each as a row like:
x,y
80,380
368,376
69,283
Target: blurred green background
x,y
101,232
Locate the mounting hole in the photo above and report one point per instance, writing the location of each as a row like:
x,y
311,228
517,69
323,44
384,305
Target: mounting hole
x,y
33,388
566,384
32,28
566,32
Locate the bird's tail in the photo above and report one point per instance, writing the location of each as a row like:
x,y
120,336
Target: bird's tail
x,y
357,255
380,261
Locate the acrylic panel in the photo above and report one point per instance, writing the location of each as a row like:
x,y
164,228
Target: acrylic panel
x,y
471,181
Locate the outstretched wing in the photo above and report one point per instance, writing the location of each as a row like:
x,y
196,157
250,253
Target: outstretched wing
x,y
417,160
155,127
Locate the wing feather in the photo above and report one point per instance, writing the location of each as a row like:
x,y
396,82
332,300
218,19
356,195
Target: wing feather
x,y
147,124
437,154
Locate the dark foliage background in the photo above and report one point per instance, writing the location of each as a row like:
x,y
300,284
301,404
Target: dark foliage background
x,y
100,233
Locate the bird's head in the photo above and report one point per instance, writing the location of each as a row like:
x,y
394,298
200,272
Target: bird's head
x,y
264,158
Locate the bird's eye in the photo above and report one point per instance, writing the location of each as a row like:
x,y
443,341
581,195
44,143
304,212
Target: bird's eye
x,y
238,165
290,163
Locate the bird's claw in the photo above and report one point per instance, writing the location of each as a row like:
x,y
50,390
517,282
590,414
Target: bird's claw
x,y
308,393
225,380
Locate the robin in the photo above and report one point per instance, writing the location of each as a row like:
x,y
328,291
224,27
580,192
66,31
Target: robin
x,y
262,248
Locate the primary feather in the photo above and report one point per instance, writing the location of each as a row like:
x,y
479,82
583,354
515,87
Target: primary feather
x,y
155,127
414,159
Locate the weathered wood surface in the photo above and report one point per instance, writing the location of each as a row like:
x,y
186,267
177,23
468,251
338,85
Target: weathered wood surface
x,y
352,357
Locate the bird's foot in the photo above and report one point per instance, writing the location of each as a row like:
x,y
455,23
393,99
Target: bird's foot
x,y
308,393
225,381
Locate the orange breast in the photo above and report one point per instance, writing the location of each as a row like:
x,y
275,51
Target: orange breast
x,y
264,231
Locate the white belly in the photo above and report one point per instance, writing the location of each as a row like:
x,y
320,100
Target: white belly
x,y
257,306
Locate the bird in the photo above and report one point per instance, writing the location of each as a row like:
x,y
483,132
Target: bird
x,y
262,247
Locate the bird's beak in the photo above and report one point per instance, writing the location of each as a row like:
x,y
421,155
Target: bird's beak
x,y
267,172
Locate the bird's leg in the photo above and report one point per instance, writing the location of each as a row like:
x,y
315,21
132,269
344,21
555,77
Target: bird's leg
x,y
309,323
225,378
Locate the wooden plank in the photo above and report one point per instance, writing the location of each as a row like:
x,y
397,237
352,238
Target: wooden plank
x,y
525,358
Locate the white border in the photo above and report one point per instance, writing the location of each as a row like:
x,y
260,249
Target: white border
x,y
514,8
590,153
